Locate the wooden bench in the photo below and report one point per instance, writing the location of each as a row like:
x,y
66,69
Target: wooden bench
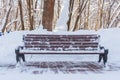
x,y
61,44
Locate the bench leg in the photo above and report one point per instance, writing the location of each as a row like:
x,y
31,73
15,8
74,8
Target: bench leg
x,y
17,58
23,57
20,56
105,59
100,58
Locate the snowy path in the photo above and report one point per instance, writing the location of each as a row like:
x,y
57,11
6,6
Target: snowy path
x,y
60,67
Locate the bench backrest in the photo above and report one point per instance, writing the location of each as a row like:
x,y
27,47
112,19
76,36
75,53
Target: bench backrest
x,y
61,42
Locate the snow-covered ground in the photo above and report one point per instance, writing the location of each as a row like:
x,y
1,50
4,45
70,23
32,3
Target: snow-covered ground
x,y
9,41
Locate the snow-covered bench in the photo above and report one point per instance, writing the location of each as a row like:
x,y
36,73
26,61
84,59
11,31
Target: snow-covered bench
x,y
61,44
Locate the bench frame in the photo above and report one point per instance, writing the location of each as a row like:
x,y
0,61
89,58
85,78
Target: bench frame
x,y
20,53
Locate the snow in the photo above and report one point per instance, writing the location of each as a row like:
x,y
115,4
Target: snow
x,y
60,51
107,76
9,41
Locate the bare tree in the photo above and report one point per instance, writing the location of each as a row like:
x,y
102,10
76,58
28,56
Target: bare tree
x,y
87,14
30,13
16,18
48,13
115,16
100,14
109,12
57,12
82,6
5,20
71,5
21,14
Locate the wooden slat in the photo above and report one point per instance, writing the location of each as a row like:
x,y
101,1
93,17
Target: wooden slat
x,y
61,39
73,37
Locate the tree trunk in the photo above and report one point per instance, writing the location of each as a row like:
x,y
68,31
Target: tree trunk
x,y
81,8
16,16
21,14
5,20
30,13
48,14
71,4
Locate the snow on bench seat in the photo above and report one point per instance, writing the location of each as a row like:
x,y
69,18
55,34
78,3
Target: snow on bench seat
x,y
60,52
